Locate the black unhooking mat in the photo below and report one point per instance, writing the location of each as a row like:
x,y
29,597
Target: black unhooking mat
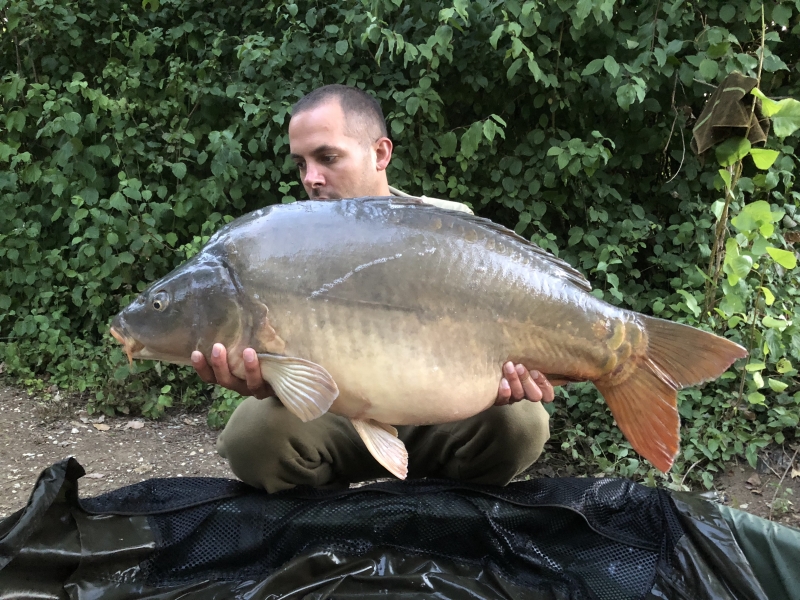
x,y
204,538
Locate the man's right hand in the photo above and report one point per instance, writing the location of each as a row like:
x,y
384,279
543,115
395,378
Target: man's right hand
x,y
218,372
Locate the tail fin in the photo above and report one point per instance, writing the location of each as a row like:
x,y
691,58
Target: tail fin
x,y
644,399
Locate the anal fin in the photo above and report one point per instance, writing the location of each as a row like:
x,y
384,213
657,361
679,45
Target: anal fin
x,y
382,442
304,387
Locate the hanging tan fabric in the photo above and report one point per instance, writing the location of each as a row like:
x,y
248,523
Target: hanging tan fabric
x,y
728,113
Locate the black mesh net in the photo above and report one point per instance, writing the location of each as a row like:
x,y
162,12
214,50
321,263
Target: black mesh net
x,y
569,536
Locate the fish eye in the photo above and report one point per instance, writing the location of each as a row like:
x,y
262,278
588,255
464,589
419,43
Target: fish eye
x,y
160,301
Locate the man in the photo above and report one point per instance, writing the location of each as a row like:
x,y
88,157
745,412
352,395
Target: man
x,y
338,140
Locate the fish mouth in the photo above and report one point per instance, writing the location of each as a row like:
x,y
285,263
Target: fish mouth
x,y
131,345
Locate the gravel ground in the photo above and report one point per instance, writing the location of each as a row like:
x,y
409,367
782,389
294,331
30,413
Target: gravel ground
x,y
115,451
119,451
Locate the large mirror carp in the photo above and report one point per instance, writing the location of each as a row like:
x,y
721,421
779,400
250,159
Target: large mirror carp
x,y
429,303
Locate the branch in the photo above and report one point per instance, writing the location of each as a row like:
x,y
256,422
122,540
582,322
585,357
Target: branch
x,y
780,483
16,49
33,62
655,23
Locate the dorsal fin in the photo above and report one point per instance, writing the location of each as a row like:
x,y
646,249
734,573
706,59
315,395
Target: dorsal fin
x,y
560,267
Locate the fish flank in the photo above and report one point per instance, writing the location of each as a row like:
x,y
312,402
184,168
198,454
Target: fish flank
x,y
339,280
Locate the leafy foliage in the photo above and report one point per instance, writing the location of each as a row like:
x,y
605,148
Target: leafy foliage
x,y
131,132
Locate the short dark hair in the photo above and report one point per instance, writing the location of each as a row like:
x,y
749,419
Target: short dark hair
x,y
363,115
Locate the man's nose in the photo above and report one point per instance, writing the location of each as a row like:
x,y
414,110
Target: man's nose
x,y
313,176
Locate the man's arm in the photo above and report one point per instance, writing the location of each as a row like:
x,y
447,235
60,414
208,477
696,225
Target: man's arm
x,y
517,384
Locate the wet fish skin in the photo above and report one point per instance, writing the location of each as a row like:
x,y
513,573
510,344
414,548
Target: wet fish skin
x,y
434,301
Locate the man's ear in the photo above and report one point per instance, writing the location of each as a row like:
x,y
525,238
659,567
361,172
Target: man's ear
x,y
383,153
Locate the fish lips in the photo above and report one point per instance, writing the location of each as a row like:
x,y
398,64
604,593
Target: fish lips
x,y
132,345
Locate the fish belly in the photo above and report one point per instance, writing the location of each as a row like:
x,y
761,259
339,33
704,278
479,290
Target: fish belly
x,y
397,368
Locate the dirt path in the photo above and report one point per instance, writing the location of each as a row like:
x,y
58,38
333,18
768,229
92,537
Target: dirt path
x,y
120,451
115,452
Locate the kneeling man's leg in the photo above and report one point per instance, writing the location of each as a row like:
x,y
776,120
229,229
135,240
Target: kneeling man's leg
x,y
269,447
491,447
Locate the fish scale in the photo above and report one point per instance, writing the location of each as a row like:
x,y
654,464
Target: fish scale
x,y
393,313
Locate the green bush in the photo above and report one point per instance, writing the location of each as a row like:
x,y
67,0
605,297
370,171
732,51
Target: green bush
x,y
133,131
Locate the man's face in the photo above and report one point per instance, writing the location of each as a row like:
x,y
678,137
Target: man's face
x,y
332,164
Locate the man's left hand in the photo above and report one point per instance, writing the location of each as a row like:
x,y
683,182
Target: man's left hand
x,y
520,384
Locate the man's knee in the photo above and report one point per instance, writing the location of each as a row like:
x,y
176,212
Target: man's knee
x,y
491,447
257,442
523,429
269,447
253,426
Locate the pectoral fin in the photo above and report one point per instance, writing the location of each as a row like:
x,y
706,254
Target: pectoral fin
x,y
304,387
381,440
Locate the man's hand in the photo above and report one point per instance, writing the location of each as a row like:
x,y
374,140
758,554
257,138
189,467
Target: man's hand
x,y
518,384
219,372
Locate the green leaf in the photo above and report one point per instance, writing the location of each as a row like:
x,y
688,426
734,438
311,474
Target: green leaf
x,y
752,367
785,114
471,139
593,67
495,37
769,297
611,65
341,47
742,265
708,69
179,170
751,452
764,158
777,386
717,208
784,258
515,66
781,14
758,380
727,13
732,150
726,177
773,323
783,366
691,302
447,143
756,398
443,35
121,373
489,129
626,95
412,105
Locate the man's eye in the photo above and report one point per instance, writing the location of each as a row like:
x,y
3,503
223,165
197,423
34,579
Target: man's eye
x,y
301,166
329,158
